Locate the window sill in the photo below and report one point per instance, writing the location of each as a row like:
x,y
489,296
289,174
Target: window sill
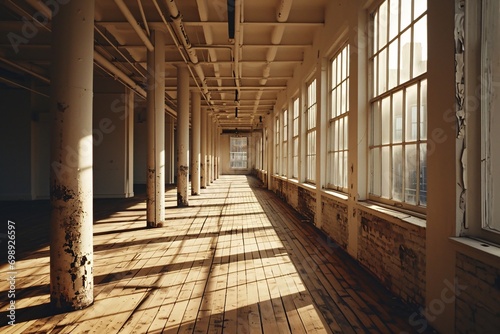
x,y
392,215
336,195
478,249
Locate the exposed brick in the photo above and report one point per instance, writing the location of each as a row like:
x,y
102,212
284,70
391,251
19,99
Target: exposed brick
x,y
400,259
478,306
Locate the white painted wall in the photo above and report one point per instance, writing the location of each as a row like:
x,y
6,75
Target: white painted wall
x,y
109,123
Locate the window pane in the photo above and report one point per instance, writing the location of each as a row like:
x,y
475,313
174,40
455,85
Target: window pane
x,y
382,41
420,6
382,72
397,117
393,18
420,47
406,13
334,72
411,113
423,175
386,120
345,133
405,57
393,64
397,173
376,126
423,110
411,174
386,172
376,171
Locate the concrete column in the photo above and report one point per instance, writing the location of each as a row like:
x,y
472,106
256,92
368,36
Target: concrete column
x,y
155,206
129,142
169,150
203,149
218,152
210,173
214,149
182,135
71,247
195,132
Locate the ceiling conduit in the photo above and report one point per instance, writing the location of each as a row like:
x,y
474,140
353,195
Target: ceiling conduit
x,y
207,32
180,31
130,18
281,16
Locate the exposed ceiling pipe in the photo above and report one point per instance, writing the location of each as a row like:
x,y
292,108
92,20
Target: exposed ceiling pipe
x,y
180,34
207,32
284,10
130,18
237,41
41,7
25,69
107,65
180,30
118,50
118,73
13,83
141,9
282,14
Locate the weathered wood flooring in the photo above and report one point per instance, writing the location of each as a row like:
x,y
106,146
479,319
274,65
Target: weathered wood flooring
x,y
237,260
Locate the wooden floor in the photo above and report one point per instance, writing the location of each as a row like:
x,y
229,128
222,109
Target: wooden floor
x,y
237,260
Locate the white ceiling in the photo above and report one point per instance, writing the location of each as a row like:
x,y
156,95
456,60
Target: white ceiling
x,y
258,63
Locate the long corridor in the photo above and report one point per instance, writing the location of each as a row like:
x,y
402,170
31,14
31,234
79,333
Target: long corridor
x,y
237,260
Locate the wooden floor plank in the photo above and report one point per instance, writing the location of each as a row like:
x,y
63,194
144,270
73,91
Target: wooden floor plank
x,y
237,260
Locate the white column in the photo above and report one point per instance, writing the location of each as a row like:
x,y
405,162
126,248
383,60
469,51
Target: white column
x,y
155,205
203,159
210,173
169,150
195,132
129,142
182,135
215,161
71,247
218,152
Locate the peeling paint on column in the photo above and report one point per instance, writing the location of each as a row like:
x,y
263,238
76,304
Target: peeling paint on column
x,y
460,107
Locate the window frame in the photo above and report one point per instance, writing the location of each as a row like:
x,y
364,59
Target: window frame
x,y
384,159
338,118
277,145
310,135
295,138
284,144
231,153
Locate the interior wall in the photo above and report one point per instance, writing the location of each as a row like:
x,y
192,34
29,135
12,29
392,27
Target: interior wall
x,y
15,148
109,154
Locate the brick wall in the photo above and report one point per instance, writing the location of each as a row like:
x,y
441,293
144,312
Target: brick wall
x,y
307,203
395,254
477,308
334,221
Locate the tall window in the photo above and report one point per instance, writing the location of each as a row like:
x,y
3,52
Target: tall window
x,y
490,124
284,147
311,133
238,152
337,128
295,139
398,117
277,142
258,154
